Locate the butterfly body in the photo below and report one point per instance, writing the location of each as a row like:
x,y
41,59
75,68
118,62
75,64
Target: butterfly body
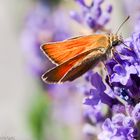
x,y
75,56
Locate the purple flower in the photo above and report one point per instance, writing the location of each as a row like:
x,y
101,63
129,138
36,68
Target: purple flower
x,y
120,127
94,115
92,15
97,93
118,108
136,112
122,74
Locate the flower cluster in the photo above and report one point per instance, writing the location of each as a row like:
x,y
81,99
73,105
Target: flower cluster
x,y
120,92
121,127
97,93
92,14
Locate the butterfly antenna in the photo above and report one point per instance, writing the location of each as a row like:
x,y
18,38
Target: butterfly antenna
x,y
122,24
124,44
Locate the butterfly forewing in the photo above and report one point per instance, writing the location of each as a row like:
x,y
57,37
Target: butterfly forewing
x,y
60,52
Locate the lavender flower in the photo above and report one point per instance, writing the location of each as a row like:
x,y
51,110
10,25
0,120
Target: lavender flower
x,y
97,93
92,15
136,112
120,127
94,114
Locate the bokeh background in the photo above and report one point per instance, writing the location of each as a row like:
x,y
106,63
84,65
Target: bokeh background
x,y
29,109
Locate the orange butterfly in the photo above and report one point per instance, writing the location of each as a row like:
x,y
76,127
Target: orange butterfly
x,y
75,56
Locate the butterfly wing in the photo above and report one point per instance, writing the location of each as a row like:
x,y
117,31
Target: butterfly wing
x,y
60,52
67,70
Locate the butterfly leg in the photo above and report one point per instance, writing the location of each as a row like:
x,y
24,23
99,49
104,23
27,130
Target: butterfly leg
x,y
113,52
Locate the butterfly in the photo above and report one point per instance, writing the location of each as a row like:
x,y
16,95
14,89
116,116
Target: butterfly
x,y
73,57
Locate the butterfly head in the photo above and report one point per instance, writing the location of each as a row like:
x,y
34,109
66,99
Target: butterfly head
x,y
115,40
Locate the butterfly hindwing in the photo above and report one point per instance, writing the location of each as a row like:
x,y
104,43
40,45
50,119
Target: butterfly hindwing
x,y
79,69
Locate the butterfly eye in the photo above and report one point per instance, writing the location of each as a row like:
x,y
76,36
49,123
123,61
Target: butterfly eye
x,y
116,42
